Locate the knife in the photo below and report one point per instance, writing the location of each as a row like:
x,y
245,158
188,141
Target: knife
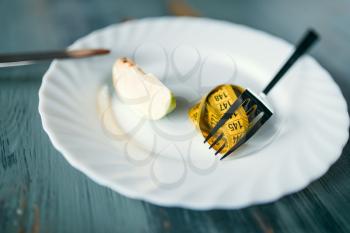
x,y
20,59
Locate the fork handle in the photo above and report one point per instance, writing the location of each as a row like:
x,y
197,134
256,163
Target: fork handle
x,y
308,40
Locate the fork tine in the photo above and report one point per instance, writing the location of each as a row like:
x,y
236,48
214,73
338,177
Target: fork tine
x,y
220,149
216,140
256,124
251,112
233,108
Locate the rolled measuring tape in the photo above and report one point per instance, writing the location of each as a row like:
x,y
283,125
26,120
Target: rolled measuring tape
x,y
208,111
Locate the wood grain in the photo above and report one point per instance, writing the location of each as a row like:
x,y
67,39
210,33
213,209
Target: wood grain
x,y
41,192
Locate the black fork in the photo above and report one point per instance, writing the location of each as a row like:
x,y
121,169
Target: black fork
x,y
262,110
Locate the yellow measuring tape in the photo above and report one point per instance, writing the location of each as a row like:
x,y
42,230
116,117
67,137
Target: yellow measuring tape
x,y
212,107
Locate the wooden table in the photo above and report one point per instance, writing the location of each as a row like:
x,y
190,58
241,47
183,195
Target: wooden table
x,y
41,192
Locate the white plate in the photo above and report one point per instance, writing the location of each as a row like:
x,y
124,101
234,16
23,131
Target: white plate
x,y
165,162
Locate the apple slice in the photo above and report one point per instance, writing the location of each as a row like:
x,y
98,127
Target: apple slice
x,y
148,96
